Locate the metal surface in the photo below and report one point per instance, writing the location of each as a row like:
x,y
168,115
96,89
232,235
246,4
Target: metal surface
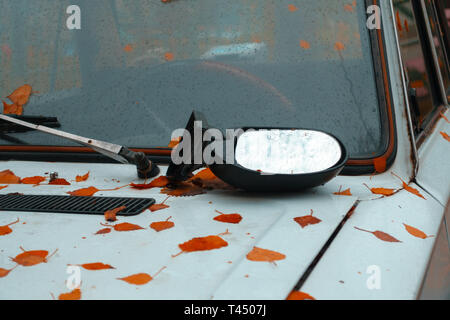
x,y
287,151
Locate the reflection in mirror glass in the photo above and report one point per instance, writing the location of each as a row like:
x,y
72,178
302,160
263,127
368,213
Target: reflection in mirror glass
x,y
287,151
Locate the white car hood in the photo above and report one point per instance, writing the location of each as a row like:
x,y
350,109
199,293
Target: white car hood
x,y
225,273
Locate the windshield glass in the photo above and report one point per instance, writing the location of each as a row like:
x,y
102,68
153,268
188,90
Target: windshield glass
x,y
136,69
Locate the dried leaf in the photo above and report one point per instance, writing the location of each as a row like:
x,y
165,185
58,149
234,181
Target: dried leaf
x,y
158,206
234,218
305,44
12,109
33,257
292,8
380,235
4,230
103,231
33,180
444,117
110,215
82,178
258,254
408,188
59,182
346,192
96,266
381,191
5,272
128,48
8,177
445,136
416,232
162,225
182,189
307,220
339,46
3,187
159,182
125,226
140,279
348,8
73,295
207,180
173,143
298,295
202,244
169,56
85,192
380,164
21,95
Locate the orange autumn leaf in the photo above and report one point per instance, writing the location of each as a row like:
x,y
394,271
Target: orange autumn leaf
x,y
206,179
234,218
21,95
162,225
380,235
103,231
96,266
85,192
346,192
399,21
33,180
110,215
183,189
5,272
292,8
3,187
159,206
32,257
169,56
416,232
124,226
258,254
59,182
339,46
12,109
73,295
445,136
4,230
8,177
128,48
305,44
82,178
408,188
202,244
380,164
298,295
381,191
159,182
307,220
140,279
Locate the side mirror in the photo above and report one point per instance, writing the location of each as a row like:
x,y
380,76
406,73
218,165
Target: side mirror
x,y
275,159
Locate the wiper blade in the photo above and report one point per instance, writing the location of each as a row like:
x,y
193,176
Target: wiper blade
x,y
145,168
10,127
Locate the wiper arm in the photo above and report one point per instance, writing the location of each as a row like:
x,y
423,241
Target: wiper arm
x,y
145,168
11,127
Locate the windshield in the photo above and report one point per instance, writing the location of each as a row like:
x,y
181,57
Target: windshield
x,y
136,69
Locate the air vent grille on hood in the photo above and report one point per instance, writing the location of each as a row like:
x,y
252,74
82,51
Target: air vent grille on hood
x,y
73,204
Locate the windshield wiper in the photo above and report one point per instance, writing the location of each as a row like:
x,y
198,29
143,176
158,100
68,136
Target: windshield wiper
x,y
11,127
145,168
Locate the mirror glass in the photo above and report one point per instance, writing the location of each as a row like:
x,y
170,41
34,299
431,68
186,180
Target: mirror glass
x,y
275,151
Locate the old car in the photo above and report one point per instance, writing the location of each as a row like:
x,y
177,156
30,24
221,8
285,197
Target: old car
x,y
76,224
